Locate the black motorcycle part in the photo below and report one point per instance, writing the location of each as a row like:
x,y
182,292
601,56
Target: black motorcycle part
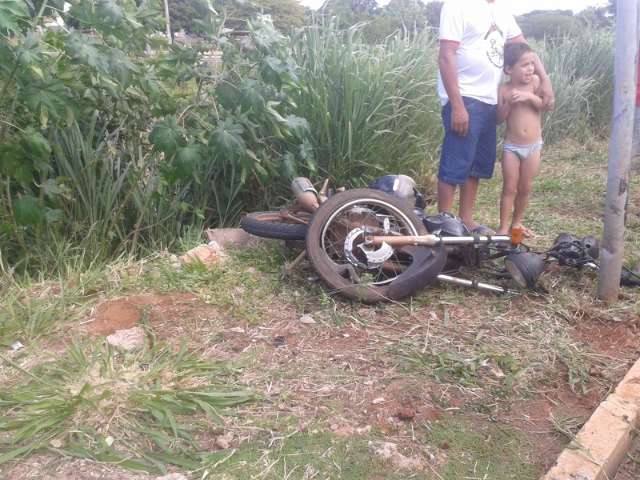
x,y
525,268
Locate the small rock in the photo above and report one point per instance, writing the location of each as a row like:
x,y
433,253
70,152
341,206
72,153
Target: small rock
x,y
56,443
17,345
223,442
307,319
377,401
128,340
174,261
209,255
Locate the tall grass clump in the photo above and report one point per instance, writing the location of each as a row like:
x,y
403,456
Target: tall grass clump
x,y
581,71
371,109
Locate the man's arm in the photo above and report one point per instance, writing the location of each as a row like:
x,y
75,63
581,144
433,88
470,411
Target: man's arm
x,y
546,89
504,107
448,63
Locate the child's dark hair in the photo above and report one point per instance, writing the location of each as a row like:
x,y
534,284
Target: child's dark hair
x,y
513,52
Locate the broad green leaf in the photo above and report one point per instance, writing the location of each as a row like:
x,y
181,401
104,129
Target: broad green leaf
x,y
120,66
227,137
13,163
37,149
186,160
28,211
167,136
87,51
50,98
28,53
298,125
110,12
12,12
251,96
228,95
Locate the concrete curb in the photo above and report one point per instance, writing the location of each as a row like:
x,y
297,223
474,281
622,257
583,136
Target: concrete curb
x,y
601,444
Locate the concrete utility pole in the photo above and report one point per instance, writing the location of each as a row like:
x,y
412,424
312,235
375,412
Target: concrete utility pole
x,y
624,95
168,20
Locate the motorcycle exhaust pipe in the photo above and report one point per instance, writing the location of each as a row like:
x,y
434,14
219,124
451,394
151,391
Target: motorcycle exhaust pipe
x,y
305,194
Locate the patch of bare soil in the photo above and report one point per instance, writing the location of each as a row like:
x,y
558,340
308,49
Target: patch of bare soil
x,y
172,315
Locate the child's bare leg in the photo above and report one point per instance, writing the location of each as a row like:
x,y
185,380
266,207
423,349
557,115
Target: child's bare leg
x,y
510,177
529,168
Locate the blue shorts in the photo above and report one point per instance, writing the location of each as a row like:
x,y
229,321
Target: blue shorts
x,y
475,154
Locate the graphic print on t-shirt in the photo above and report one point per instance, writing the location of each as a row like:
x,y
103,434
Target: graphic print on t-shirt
x,y
495,45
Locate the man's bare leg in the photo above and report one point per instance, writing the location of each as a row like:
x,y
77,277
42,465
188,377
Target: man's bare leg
x,y
446,195
468,194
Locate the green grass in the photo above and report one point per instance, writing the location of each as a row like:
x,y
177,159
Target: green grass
x,y
140,410
481,450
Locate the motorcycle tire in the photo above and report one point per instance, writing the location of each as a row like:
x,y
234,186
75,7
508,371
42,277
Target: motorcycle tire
x,y
273,225
341,216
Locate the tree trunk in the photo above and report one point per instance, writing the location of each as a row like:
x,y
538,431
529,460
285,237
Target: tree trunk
x,y
626,55
168,20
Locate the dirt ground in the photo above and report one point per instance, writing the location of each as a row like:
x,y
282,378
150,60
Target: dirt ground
x,y
343,379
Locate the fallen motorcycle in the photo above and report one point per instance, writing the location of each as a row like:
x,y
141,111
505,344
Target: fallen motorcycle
x,y
377,244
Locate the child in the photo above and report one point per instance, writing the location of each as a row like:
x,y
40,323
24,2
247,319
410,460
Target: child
x,y
520,105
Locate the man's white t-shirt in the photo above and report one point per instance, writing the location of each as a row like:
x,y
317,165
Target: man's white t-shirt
x,y
481,28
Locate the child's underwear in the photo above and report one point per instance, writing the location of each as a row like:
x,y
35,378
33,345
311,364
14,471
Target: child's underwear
x,y
523,151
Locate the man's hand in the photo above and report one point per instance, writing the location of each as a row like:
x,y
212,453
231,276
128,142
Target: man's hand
x,y
460,120
547,95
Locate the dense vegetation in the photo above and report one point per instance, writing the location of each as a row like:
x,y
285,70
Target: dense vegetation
x,y
113,140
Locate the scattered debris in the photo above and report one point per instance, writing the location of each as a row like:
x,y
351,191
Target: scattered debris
x,y
307,319
279,341
389,451
377,401
128,340
237,330
17,345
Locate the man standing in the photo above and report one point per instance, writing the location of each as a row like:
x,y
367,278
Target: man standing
x,y
472,38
